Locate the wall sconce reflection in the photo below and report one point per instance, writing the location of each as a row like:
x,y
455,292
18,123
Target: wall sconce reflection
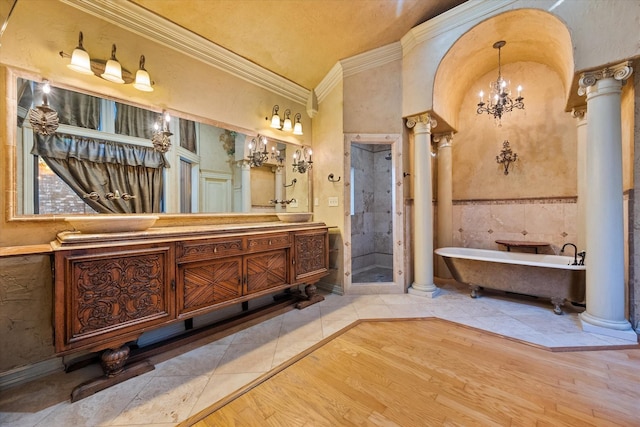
x,y
277,155
43,118
258,153
285,124
161,138
506,157
302,160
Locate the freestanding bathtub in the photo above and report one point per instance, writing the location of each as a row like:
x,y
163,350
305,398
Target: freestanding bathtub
x,y
539,275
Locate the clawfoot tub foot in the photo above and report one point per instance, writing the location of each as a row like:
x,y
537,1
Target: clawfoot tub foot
x,y
557,305
474,291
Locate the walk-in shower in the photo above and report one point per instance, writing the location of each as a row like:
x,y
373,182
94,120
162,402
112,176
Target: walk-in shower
x,y
371,213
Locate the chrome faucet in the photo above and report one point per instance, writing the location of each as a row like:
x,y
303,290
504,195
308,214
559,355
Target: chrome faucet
x,y
575,252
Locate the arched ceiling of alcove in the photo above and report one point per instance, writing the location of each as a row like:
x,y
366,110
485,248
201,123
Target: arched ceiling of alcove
x,y
531,35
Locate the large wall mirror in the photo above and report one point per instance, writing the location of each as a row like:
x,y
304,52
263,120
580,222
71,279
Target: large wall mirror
x,y
101,159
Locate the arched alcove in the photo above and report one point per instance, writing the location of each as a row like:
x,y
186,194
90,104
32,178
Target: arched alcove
x,y
532,35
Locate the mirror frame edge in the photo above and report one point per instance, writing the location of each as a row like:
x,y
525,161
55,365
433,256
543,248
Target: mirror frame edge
x,y
10,193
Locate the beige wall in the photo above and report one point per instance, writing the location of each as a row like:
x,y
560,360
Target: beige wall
x,y
543,135
329,158
372,100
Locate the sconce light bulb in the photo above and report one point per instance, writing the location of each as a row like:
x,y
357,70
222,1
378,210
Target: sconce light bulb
x,y
46,88
167,117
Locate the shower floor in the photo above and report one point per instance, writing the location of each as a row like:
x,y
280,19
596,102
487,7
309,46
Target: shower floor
x,y
373,274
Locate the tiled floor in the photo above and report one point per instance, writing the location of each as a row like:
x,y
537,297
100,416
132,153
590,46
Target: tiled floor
x,y
189,380
373,275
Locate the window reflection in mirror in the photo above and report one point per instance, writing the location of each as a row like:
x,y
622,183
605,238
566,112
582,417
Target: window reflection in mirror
x,y
101,160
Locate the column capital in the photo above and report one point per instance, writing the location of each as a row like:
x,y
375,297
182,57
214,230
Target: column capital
x,y
618,72
443,140
423,119
579,113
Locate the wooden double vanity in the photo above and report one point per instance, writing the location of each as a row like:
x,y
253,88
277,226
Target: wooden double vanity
x,y
111,288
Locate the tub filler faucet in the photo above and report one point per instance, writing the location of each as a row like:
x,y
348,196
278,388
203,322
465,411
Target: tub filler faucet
x,y
575,252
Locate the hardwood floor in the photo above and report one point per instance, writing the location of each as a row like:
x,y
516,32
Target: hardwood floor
x,y
431,372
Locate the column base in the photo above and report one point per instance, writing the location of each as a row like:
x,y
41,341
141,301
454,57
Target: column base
x,y
424,291
596,325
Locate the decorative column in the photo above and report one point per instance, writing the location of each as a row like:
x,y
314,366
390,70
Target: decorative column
x,y
279,187
605,300
423,207
444,199
581,130
246,185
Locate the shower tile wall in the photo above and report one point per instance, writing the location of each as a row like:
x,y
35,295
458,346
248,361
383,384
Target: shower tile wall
x,y
371,223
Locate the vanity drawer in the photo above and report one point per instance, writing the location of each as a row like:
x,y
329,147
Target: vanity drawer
x,y
274,241
207,249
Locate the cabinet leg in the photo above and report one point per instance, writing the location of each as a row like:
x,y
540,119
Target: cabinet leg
x,y
113,363
312,297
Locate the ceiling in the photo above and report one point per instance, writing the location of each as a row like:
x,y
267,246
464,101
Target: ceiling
x,y
300,40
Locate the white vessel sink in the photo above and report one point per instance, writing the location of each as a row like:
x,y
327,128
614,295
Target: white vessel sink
x,y
295,216
98,224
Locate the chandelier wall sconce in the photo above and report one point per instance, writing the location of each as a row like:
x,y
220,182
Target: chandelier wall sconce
x,y
302,160
499,101
43,118
258,153
110,69
161,138
285,125
277,155
506,157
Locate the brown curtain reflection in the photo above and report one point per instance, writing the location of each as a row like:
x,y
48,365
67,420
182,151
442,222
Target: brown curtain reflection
x,y
134,121
90,165
75,109
188,135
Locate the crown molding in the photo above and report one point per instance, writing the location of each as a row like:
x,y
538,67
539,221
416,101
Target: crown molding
x,y
357,64
140,21
331,80
371,59
470,11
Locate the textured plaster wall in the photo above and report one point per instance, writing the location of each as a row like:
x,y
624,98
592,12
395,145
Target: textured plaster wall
x,y
372,100
329,158
543,136
26,294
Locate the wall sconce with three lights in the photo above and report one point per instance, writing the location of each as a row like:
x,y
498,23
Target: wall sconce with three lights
x,y
110,70
285,124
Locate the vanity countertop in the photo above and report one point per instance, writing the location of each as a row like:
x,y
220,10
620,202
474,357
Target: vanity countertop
x,y
74,239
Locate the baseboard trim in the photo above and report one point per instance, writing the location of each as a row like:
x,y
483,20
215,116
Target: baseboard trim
x,y
31,372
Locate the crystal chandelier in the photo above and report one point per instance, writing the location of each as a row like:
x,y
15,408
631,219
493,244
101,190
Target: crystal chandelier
x,y
499,101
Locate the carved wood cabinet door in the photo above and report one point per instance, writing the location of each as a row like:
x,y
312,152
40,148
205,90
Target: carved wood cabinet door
x,y
111,293
310,254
